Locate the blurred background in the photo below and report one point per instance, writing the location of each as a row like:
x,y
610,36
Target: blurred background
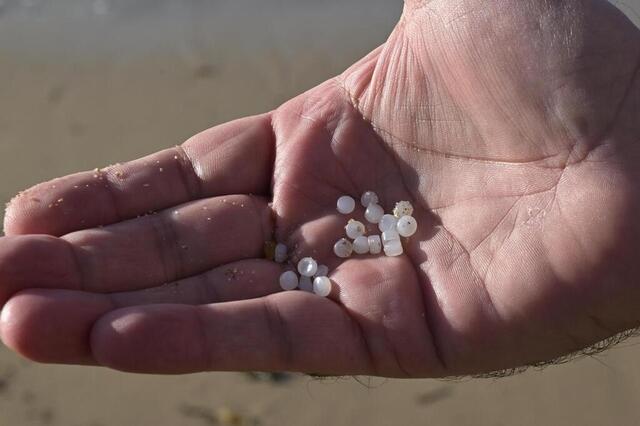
x,y
87,83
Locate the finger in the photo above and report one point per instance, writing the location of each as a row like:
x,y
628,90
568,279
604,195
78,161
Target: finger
x,y
292,331
172,244
245,279
139,253
54,325
234,158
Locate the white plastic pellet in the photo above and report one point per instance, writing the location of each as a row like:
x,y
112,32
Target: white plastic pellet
x,y
390,235
307,267
343,248
403,208
361,245
387,222
306,284
368,197
322,286
407,226
393,248
375,244
354,229
289,280
373,213
323,271
346,204
280,253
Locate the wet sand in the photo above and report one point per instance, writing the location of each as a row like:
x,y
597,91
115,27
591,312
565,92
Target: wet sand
x,y
114,80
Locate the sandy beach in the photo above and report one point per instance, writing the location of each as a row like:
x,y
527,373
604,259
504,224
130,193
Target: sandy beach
x,y
89,83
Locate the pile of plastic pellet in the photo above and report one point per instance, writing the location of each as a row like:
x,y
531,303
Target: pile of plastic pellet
x,y
392,226
400,223
313,277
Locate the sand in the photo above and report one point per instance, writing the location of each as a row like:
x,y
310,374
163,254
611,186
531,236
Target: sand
x,y
83,84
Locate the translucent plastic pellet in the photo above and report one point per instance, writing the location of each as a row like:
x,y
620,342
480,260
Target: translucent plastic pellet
x,y
289,280
306,284
368,197
373,213
403,208
346,204
390,235
375,244
280,254
307,267
387,222
407,226
343,248
354,229
322,286
361,245
393,248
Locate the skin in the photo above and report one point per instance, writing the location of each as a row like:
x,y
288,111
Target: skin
x,y
513,127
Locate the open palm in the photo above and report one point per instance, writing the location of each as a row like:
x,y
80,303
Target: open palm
x,y
512,126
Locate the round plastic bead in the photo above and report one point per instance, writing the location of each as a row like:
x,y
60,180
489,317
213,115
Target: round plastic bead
x,y
407,226
322,286
346,204
375,244
373,213
307,267
368,197
354,229
361,245
343,248
289,280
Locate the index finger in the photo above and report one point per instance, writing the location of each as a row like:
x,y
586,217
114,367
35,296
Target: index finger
x,y
233,158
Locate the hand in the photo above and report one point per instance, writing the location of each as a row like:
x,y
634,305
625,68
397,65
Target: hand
x,y
512,126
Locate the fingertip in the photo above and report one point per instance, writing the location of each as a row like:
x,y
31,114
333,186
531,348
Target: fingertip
x,y
10,224
17,319
6,316
6,225
23,213
51,326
